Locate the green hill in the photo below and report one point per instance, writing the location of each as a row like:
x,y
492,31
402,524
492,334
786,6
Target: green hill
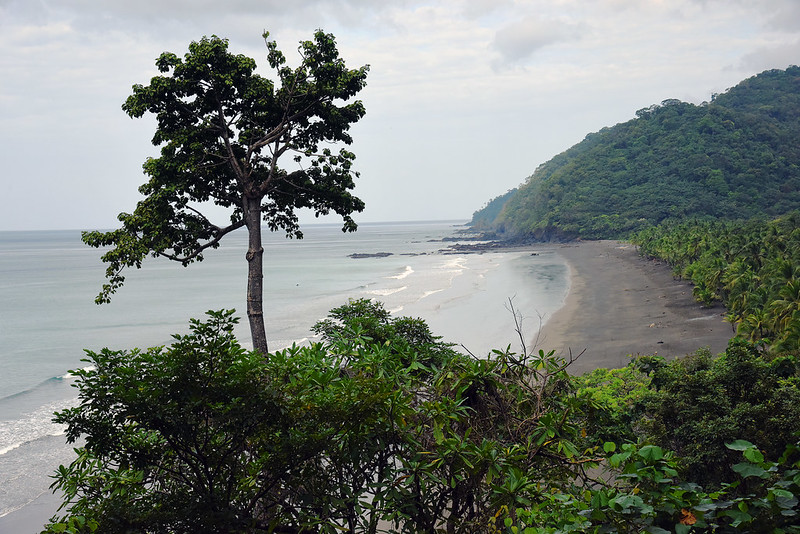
x,y
735,157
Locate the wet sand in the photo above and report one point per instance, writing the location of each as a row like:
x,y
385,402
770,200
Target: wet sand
x,y
621,304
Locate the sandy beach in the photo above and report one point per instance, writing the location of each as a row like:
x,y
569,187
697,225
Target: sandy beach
x,y
621,304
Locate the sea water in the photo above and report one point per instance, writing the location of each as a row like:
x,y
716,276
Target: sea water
x,y
48,281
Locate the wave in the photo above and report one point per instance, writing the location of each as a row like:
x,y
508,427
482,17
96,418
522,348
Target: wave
x,y
386,292
32,426
28,501
457,263
429,293
17,445
69,374
52,381
282,344
407,272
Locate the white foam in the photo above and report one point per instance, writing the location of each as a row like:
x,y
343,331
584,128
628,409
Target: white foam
x,y
429,293
455,264
407,272
386,292
31,426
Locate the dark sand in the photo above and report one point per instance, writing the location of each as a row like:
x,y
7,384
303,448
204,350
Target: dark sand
x,y
621,304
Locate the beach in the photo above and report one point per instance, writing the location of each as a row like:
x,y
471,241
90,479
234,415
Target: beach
x,y
621,304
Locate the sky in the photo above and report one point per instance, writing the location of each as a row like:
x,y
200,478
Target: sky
x,y
464,99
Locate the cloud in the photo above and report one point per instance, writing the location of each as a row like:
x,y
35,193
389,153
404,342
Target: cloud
x,y
768,57
447,108
784,15
518,41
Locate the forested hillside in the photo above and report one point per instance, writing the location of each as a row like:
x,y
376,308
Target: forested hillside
x,y
734,157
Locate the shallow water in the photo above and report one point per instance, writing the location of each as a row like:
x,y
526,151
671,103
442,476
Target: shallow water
x,y
48,281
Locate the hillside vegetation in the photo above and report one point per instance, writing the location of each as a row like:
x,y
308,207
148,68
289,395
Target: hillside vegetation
x,y
732,158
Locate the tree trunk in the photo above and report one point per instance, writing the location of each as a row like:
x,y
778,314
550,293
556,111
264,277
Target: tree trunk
x,y
255,274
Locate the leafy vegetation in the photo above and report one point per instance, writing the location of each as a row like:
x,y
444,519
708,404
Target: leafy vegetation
x,y
383,428
699,403
695,405
644,495
484,217
396,430
752,267
732,158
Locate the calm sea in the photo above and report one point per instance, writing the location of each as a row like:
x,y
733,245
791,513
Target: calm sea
x,y
48,281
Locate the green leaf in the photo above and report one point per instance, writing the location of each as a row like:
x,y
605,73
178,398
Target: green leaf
x,y
754,455
651,453
749,470
609,446
617,459
740,445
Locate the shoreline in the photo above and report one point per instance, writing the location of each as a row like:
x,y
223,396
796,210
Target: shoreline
x,y
617,304
621,304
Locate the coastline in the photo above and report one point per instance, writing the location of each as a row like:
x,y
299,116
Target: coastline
x,y
617,304
620,304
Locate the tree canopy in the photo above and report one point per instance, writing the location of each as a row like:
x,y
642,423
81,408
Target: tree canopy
x,y
223,129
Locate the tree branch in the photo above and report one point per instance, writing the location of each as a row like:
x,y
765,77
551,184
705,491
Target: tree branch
x,y
221,232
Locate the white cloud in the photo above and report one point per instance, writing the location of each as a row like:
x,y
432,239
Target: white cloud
x,y
519,40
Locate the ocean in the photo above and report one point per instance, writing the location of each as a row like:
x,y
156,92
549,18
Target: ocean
x,y
48,281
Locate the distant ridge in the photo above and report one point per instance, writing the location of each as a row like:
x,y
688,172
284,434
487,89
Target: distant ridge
x,y
735,157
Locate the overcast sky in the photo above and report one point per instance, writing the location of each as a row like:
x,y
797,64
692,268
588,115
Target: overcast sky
x,y
465,98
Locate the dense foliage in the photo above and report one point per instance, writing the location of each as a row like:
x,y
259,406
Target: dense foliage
x,y
753,267
734,157
699,403
357,433
695,405
484,217
383,428
226,135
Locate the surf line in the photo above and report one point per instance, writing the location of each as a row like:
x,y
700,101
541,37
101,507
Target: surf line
x,y
407,272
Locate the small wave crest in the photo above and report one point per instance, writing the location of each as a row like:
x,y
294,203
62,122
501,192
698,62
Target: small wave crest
x,y
406,272
281,344
54,380
29,500
386,292
455,264
69,375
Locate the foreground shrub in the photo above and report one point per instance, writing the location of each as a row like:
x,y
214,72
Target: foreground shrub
x,y
380,428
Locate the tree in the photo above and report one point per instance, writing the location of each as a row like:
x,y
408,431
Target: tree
x,y
222,129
